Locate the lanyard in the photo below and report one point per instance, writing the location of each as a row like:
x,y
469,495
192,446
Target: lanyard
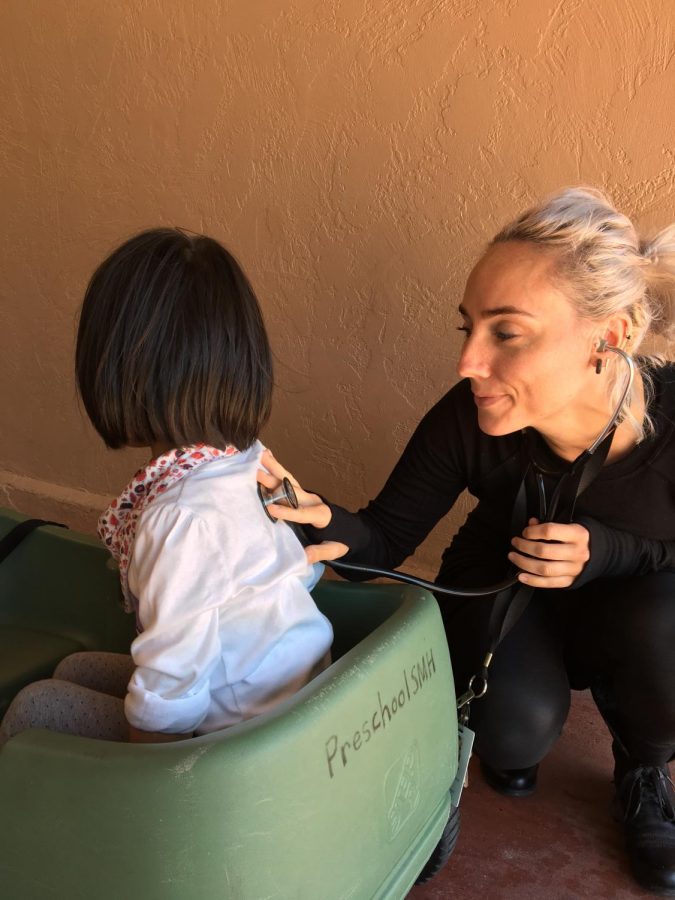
x,y
510,604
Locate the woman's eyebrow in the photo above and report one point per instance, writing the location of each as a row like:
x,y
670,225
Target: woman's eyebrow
x,y
499,311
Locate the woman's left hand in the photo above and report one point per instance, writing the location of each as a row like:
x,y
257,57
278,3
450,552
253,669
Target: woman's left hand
x,y
555,564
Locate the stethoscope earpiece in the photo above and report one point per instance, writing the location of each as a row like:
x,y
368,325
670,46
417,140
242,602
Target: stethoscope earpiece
x,y
284,494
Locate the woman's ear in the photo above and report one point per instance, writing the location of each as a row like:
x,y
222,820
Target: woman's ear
x,y
618,332
615,332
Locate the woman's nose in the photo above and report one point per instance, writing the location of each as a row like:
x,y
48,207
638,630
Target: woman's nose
x,y
473,360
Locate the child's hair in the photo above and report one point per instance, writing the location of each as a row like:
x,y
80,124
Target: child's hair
x,y
171,345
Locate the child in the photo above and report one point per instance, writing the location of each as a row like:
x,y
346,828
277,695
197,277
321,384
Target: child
x,y
172,354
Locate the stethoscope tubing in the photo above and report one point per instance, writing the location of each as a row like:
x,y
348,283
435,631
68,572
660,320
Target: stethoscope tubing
x,y
406,578
624,394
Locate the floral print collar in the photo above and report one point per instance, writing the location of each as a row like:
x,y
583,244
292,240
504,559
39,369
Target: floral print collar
x,y
117,525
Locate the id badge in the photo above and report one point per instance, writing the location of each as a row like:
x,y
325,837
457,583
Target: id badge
x,y
465,737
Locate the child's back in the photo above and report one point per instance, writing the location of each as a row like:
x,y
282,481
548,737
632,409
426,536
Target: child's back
x,y
229,626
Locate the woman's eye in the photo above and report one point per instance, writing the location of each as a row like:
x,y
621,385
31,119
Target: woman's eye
x,y
501,336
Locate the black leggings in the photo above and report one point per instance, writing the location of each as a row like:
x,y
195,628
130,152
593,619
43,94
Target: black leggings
x,y
616,636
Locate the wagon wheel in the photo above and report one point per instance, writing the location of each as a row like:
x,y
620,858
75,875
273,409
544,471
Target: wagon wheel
x,y
443,850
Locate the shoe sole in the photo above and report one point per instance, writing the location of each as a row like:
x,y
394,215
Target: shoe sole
x,y
508,792
653,888
526,792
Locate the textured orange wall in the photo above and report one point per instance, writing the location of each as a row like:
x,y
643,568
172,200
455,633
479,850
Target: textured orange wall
x,y
355,156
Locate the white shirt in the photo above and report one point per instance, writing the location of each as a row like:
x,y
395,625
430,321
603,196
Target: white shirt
x,y
229,626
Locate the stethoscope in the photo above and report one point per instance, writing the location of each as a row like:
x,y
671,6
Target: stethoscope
x,y
559,506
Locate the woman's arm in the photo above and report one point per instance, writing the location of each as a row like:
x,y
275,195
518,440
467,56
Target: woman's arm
x,y
421,489
616,554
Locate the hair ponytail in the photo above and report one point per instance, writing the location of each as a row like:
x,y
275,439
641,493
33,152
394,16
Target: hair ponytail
x,y
659,256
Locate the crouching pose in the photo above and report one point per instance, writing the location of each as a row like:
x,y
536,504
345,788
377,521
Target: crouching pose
x,y
552,290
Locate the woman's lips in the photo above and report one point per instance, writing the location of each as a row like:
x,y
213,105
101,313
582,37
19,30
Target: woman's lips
x,y
483,400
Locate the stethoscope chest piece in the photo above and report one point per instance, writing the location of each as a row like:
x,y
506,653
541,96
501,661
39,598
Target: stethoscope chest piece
x,y
284,495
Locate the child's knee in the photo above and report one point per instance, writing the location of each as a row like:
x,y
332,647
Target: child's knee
x,y
70,668
23,709
102,671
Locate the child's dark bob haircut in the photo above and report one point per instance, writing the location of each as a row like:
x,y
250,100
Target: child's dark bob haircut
x,y
171,346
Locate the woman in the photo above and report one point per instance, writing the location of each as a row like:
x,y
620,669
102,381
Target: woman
x,y
550,290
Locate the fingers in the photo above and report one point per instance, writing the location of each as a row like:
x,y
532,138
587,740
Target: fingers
x,y
270,463
544,568
540,550
327,550
302,515
555,531
318,515
550,555
265,478
272,483
547,583
275,467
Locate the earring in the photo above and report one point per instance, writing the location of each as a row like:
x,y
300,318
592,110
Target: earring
x,y
599,363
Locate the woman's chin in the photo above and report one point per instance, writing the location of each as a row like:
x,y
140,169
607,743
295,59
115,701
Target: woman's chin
x,y
497,426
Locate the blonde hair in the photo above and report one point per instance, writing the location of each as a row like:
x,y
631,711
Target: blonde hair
x,y
606,269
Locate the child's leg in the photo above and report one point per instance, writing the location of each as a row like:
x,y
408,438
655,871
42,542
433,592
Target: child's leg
x,y
69,708
99,670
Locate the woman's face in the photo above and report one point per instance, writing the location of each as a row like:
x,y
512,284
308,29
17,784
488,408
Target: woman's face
x,y
527,353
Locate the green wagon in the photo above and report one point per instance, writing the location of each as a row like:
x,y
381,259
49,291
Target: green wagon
x,y
341,792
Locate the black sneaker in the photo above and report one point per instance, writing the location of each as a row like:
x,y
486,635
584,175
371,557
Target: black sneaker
x,y
645,803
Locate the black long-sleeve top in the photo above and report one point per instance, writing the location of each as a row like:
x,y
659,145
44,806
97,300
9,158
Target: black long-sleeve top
x,y
629,509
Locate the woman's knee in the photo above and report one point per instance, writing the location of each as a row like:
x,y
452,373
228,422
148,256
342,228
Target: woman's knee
x,y
516,729
643,621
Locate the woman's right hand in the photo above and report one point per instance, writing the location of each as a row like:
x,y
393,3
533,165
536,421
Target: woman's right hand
x,y
311,509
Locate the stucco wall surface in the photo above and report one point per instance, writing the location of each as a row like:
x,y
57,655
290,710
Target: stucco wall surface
x,y
354,155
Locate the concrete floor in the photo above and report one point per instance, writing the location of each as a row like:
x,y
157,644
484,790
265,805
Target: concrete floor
x,y
559,844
